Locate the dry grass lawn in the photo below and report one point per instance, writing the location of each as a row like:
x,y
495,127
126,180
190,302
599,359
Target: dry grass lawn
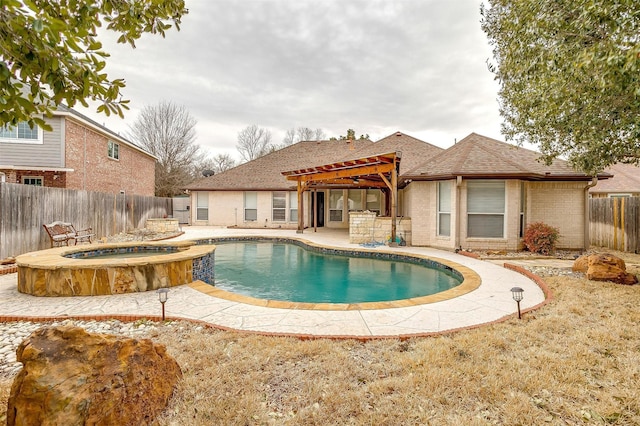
x,y
576,361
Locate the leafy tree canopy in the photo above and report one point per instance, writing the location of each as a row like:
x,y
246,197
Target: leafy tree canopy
x,y
49,53
569,74
351,135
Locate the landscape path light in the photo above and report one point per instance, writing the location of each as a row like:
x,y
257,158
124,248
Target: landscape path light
x,y
517,294
163,294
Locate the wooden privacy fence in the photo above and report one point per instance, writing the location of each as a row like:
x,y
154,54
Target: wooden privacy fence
x,y
25,208
615,223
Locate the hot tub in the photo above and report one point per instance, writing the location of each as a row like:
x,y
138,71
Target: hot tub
x,y
86,271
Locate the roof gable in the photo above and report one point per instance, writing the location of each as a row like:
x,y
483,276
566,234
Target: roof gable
x,y
480,156
414,151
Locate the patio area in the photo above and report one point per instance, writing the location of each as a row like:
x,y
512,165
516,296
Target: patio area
x,y
491,301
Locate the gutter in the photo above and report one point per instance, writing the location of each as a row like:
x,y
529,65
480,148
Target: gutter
x,y
587,221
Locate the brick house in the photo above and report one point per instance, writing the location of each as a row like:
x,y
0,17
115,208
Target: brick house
x,y
77,153
478,194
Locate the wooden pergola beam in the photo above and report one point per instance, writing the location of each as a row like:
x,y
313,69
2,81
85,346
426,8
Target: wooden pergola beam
x,y
343,173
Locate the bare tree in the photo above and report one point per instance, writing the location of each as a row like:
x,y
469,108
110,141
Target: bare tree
x,y
301,134
168,132
253,142
217,164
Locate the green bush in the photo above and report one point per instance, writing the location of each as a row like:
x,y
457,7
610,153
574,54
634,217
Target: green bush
x,y
541,238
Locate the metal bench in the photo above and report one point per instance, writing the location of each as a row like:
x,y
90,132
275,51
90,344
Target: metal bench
x,y
62,233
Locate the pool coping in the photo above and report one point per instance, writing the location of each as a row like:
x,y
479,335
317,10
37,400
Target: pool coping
x,y
490,304
54,258
470,279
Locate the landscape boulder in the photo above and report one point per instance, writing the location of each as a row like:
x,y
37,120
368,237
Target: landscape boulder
x,y
71,377
604,267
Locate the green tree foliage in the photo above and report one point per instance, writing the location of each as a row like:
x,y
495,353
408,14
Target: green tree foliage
x,y
569,74
50,54
351,135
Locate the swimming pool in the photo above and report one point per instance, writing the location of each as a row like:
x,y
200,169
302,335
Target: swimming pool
x,y
290,272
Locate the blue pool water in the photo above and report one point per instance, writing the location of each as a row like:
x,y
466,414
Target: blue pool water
x,y
282,271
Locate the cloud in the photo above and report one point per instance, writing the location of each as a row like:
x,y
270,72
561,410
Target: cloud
x,y
418,66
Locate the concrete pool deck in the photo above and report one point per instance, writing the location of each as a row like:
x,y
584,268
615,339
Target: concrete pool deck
x,y
490,302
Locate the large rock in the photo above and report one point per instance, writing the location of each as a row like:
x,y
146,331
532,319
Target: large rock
x,y
71,377
604,267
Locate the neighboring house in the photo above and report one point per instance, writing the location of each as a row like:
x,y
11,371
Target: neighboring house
x,y
624,183
77,153
478,194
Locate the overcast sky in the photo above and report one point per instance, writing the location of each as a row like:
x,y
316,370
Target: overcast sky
x,y
376,66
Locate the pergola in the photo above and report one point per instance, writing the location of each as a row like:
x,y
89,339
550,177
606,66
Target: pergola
x,y
377,171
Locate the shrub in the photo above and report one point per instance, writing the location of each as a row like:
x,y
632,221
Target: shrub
x,y
541,238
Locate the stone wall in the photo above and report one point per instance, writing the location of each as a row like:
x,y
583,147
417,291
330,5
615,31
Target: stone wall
x,y
162,225
366,227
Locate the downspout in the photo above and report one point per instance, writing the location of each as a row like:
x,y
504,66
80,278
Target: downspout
x,y
458,210
587,220
84,166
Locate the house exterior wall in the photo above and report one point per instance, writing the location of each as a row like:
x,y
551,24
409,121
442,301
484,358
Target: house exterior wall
x,y
86,153
511,237
561,205
419,198
226,208
49,152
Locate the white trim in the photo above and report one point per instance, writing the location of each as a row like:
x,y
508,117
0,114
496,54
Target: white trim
x,y
32,168
24,141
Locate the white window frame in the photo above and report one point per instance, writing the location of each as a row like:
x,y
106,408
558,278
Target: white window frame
x,y
17,138
493,206
202,205
523,204
24,180
352,203
293,206
113,150
444,210
370,202
279,206
336,208
250,206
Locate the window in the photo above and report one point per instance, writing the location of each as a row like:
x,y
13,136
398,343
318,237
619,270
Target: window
x,y
485,209
279,206
619,195
373,200
293,206
336,204
444,208
355,199
522,206
32,180
113,150
20,133
202,205
250,206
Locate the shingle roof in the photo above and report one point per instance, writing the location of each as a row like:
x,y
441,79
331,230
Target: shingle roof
x,y
480,156
414,151
264,173
626,178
